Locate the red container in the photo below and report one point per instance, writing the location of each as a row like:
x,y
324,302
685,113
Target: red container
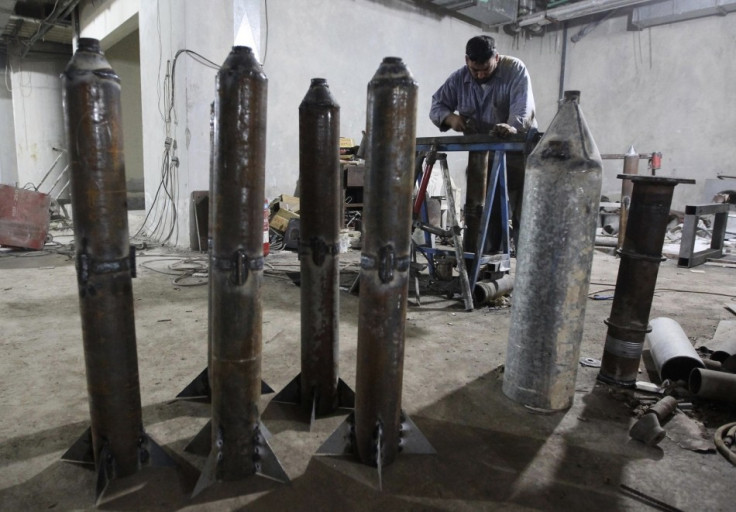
x,y
24,217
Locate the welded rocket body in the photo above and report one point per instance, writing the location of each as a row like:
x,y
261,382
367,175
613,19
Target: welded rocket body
x,y
378,429
561,198
318,388
91,98
238,444
641,254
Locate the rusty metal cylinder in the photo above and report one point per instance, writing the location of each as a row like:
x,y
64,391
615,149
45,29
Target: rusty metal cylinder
x,y
91,99
319,246
713,385
671,350
486,291
631,166
637,276
475,196
236,264
384,275
664,408
556,245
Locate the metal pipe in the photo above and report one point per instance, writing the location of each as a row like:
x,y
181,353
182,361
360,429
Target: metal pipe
x,y
238,444
637,276
384,275
574,10
105,267
648,429
488,290
318,387
631,166
713,385
475,195
671,350
563,182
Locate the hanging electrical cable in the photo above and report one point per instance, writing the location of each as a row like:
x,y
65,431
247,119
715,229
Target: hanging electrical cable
x,y
164,223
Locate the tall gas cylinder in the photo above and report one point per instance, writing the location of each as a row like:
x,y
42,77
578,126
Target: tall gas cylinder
x,y
555,255
238,445
91,98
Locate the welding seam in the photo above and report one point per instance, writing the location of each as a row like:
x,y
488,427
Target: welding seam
x,y
637,256
370,262
621,348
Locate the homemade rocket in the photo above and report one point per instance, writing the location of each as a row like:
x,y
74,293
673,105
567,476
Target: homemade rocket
x,y
238,439
318,387
378,429
116,442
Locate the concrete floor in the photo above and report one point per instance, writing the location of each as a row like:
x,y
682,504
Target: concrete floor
x,y
492,454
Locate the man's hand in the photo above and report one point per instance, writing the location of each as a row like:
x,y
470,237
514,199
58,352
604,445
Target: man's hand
x,y
455,122
504,130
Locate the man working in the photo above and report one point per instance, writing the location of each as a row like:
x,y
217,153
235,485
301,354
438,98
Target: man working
x,y
492,93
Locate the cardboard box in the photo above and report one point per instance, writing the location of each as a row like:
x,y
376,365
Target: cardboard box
x,y
285,202
24,217
280,219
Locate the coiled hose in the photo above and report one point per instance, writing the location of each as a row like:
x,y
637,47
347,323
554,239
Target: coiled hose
x,y
725,440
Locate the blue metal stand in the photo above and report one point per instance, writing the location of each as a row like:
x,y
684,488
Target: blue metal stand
x,y
496,185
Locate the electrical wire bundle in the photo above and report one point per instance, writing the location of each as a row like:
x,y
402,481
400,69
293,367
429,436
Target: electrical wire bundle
x,y
163,214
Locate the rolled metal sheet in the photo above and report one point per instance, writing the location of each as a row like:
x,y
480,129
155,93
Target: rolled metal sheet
x,y
557,241
671,350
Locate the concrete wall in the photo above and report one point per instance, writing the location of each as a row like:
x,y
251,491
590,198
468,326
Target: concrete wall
x,y
664,89
344,41
8,164
668,89
124,58
38,118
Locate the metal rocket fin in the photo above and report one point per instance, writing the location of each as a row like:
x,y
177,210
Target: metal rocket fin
x,y
150,453
198,389
202,442
81,451
208,475
411,438
340,441
105,473
268,465
292,393
345,395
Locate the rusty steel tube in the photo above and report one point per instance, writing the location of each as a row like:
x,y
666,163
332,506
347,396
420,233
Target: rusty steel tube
x,y
637,276
713,385
319,247
236,264
91,98
631,167
556,245
475,196
488,290
384,276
